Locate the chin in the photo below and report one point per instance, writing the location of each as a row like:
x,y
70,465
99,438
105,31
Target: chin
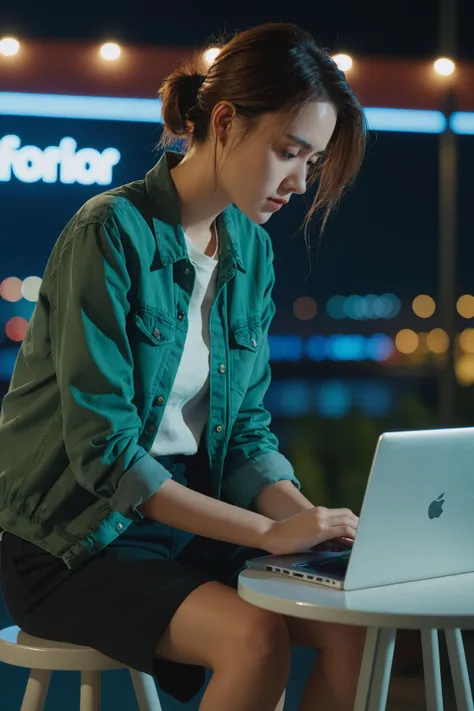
x,y
254,212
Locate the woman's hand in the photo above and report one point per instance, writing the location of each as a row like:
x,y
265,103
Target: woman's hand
x,y
310,528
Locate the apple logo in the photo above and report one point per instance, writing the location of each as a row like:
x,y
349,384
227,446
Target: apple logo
x,y
435,509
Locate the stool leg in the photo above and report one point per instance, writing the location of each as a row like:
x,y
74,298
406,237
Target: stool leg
x,y
36,690
382,670
457,662
432,670
90,691
145,691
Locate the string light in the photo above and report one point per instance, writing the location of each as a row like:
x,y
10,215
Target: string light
x,y
9,46
110,51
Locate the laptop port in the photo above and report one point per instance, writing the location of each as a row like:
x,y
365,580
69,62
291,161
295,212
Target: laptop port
x,y
287,572
268,567
310,577
298,575
320,580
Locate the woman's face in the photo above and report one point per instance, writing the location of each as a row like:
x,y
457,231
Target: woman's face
x,y
271,162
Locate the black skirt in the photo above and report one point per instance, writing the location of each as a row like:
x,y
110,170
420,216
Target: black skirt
x,y
122,599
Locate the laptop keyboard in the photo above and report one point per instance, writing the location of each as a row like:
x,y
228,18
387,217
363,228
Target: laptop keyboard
x,y
337,564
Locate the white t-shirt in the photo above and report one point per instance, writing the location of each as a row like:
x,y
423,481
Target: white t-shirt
x,y
187,409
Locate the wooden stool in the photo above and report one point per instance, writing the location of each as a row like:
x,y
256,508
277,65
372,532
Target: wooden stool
x,y
43,656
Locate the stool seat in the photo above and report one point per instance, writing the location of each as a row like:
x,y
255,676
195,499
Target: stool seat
x,y
43,656
23,650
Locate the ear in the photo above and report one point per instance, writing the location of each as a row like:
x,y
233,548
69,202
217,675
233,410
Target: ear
x,y
222,116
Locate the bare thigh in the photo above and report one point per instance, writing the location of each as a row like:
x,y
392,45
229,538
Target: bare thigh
x,y
214,625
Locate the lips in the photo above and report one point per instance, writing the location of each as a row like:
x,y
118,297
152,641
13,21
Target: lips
x,y
278,201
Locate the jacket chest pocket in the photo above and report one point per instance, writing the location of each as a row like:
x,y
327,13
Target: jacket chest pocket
x,y
152,337
245,341
157,329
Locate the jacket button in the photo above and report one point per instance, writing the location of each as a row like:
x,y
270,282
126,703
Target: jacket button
x,y
222,368
187,271
253,342
180,315
150,429
119,526
218,428
159,400
156,334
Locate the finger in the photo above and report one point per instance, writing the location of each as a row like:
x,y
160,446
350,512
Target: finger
x,y
345,542
342,531
341,520
338,513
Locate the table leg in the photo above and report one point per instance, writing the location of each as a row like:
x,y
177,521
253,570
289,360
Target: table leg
x,y
457,662
374,677
382,670
432,670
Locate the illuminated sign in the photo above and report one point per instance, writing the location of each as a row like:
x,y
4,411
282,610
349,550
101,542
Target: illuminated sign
x,y
62,163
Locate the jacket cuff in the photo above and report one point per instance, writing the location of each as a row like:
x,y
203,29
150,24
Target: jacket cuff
x,y
137,485
256,474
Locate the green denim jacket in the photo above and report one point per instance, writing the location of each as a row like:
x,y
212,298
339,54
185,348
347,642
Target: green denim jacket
x,y
100,357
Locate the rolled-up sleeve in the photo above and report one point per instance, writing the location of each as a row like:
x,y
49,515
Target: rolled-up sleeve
x,y
94,367
253,459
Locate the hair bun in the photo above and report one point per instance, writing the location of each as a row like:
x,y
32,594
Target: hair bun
x,y
179,94
191,83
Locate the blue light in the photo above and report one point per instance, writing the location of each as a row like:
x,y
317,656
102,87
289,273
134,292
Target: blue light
x,y
113,108
335,307
294,397
412,120
333,399
289,348
375,399
316,347
379,347
346,347
109,108
462,122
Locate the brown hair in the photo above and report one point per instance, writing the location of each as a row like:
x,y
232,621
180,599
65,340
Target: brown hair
x,y
271,67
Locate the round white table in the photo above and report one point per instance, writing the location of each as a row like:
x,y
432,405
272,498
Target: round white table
x,y
427,605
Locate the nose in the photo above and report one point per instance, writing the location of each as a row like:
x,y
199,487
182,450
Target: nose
x,y
296,182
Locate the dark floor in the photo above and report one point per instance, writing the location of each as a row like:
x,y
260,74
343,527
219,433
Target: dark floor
x,y
406,692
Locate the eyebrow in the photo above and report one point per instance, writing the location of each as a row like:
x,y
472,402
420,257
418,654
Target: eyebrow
x,y
303,143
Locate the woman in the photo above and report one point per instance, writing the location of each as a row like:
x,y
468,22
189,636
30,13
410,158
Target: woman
x,y
138,471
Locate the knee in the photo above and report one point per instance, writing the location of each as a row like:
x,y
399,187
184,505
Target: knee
x,y
345,642
258,637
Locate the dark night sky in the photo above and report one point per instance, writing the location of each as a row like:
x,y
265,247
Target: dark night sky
x,y
406,27
384,237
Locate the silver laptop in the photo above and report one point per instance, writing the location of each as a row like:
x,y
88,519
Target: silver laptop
x,y
416,521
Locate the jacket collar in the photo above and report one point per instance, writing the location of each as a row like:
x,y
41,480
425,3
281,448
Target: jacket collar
x,y
165,213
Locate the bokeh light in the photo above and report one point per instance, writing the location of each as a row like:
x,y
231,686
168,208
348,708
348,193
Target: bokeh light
x,y
464,368
211,54
10,289
466,340
465,306
444,66
343,61
16,328
110,51
424,306
9,46
406,341
305,308
437,341
30,288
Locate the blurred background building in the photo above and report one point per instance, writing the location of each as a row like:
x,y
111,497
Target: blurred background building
x,y
376,330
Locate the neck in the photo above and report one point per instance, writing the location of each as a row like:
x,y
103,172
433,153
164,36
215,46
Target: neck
x,y
199,200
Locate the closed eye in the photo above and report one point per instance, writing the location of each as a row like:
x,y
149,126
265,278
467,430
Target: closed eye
x,y
289,156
